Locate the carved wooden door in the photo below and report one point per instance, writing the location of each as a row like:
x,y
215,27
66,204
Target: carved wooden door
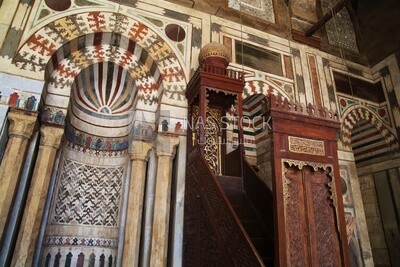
x,y
312,236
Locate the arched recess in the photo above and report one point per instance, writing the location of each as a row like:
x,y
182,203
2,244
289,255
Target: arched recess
x,y
357,114
140,67
80,31
100,70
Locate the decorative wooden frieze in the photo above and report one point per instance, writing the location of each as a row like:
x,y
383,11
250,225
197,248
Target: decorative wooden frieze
x,y
300,164
306,146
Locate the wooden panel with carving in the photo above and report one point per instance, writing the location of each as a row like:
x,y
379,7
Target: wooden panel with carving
x,y
322,216
295,217
310,215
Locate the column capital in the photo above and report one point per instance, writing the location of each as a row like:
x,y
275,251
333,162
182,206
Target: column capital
x,y
166,145
51,136
22,123
140,150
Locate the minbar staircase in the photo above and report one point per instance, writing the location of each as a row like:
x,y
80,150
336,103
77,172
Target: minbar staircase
x,y
240,197
255,227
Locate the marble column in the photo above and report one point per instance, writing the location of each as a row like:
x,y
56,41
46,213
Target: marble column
x,y
22,124
139,157
30,225
166,146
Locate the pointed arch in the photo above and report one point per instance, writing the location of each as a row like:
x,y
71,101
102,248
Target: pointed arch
x,y
81,37
358,113
253,87
146,75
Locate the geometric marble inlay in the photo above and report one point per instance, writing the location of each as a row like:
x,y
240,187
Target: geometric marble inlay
x,y
88,195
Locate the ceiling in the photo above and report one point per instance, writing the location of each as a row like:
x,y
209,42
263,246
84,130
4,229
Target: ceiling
x,y
379,23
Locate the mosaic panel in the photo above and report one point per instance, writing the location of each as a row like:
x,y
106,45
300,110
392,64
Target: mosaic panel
x,y
262,9
54,115
340,29
88,195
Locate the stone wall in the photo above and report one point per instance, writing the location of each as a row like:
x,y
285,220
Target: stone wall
x,y
374,221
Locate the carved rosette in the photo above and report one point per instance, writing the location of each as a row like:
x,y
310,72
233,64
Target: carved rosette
x,y
51,136
22,123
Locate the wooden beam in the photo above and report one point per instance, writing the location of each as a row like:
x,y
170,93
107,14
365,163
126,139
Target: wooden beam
x,y
321,22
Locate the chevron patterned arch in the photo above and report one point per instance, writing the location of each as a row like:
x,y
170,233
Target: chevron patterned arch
x,y
253,87
67,36
359,113
146,74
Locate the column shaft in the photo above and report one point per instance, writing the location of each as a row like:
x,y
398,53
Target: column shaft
x,y
159,245
30,224
139,158
21,128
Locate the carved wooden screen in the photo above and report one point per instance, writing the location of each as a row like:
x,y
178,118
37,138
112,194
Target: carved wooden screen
x,y
213,136
312,224
212,148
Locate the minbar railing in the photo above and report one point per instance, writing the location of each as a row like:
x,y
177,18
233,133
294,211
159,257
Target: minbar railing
x,y
216,71
233,74
213,234
280,104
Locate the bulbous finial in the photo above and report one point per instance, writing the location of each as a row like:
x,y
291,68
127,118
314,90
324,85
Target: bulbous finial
x,y
215,54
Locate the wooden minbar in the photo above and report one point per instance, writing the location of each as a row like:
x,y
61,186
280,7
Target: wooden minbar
x,y
211,92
